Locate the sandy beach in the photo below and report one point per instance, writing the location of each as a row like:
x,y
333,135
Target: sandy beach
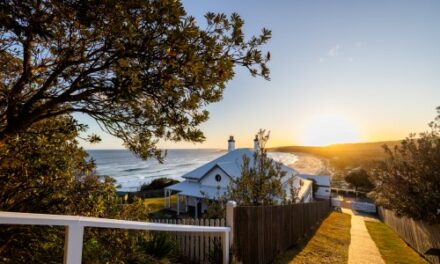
x,y
309,164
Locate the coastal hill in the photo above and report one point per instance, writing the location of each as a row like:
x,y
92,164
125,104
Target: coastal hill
x,y
343,155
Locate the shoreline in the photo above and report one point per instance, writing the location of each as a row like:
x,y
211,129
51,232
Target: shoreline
x,y
309,164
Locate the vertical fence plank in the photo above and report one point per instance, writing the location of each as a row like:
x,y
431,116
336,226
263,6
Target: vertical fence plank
x,y
216,223
196,243
260,233
263,232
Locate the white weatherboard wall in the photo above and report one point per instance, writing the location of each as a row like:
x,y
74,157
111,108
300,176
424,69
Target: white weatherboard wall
x,y
323,192
209,179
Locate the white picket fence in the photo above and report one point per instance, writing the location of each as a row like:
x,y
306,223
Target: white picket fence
x,y
75,230
196,246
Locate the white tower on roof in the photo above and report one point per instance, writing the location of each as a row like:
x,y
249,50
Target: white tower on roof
x,y
231,143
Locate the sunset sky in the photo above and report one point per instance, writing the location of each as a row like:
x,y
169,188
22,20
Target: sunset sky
x,y
341,71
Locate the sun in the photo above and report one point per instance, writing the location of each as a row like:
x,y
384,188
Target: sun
x,y
327,130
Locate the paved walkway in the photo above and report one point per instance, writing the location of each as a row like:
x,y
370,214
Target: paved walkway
x,y
362,249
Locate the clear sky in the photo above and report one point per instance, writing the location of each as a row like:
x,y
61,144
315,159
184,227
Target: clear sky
x,y
341,71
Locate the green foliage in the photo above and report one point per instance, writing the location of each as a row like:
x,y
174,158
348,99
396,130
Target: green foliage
x,y
359,178
44,171
260,181
408,181
159,244
215,255
216,208
158,184
144,70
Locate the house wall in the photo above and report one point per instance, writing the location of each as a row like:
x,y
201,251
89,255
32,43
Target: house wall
x,y
209,179
307,195
193,202
323,192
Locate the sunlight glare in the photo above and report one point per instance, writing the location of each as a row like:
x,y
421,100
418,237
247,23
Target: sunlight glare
x,y
327,130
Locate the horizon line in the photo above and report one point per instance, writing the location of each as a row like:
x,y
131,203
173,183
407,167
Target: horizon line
x,y
272,147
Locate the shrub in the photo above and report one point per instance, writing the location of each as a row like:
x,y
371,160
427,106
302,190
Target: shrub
x,y
158,184
34,180
408,181
159,244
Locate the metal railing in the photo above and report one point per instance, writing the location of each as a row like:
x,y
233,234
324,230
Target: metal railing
x,y
75,229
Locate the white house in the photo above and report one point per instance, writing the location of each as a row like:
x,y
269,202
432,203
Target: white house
x,y
323,183
210,180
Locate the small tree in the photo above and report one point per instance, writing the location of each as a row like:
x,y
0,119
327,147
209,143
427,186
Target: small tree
x,y
359,178
293,191
408,180
260,182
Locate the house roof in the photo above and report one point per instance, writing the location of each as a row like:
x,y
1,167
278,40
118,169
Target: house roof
x,y
231,163
320,179
197,190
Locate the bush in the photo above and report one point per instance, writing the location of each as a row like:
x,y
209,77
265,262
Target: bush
x,y
216,253
35,180
408,180
159,244
158,184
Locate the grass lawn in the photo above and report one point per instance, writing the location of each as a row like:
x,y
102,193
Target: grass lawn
x,y
392,248
329,244
157,203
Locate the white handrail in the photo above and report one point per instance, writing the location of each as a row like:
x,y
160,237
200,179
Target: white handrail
x,y
75,229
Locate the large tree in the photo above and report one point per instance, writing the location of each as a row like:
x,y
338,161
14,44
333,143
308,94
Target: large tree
x,y
143,69
359,178
408,180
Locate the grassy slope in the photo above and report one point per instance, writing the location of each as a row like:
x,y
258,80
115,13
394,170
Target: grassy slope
x,y
328,245
343,155
157,204
391,247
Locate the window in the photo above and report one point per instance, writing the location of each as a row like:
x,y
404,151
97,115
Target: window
x,y
218,177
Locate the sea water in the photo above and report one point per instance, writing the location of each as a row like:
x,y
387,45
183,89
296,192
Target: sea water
x,y
130,172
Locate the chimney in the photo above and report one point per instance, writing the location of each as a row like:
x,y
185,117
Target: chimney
x,y
231,143
256,143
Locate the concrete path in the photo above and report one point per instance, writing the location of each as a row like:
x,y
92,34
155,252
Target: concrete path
x,y
362,249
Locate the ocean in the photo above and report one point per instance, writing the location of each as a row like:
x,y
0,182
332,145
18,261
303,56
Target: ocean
x,y
131,172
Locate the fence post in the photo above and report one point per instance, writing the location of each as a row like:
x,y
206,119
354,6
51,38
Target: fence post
x,y
73,244
225,246
230,219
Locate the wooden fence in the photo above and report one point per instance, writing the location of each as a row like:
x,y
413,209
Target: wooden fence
x,y
261,233
417,234
196,246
